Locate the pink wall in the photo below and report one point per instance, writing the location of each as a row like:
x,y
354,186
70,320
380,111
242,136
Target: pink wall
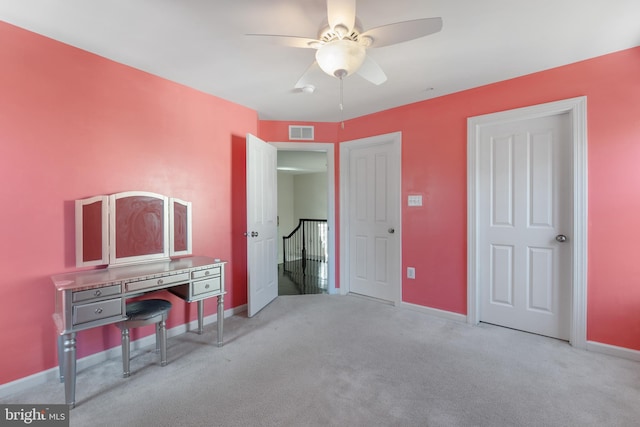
x,y
278,131
73,125
434,165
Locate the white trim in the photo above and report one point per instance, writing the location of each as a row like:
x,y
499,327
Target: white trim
x,y
53,374
577,109
395,138
612,350
443,314
329,148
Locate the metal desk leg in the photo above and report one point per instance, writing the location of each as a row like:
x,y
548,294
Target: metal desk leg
x,y
69,370
61,356
200,317
220,322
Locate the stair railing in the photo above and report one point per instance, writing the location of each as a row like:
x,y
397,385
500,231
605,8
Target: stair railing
x,y
307,242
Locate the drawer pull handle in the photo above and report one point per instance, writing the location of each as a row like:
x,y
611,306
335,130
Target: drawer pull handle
x,y
206,273
160,282
206,286
98,310
97,293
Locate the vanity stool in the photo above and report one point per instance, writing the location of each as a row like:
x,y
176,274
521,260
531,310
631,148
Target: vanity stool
x,y
141,313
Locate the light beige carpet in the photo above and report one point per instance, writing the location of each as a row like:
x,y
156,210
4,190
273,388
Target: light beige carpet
x,y
324,360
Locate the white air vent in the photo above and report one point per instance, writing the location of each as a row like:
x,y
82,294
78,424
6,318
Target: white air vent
x,y
301,132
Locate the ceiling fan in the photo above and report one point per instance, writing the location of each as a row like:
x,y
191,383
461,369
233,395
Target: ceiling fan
x,y
341,46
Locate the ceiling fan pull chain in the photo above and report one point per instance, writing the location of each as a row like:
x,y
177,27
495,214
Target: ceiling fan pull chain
x,y
341,95
341,104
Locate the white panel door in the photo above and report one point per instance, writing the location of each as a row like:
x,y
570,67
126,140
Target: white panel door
x,y
374,244
262,229
524,259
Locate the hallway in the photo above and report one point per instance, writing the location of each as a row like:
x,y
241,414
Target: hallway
x,y
313,281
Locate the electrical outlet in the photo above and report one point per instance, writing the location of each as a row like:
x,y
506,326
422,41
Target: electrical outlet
x,y
411,273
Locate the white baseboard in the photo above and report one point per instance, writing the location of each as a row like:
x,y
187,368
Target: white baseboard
x,y
53,374
612,350
435,312
596,347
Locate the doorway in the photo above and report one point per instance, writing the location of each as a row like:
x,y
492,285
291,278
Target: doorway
x,y
306,190
518,274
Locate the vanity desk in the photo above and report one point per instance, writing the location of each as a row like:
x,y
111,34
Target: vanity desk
x,y
93,298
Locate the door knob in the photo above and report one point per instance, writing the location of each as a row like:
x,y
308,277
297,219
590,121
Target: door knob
x,y
391,230
561,238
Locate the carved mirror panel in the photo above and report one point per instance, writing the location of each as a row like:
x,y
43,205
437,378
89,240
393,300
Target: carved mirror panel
x,y
131,227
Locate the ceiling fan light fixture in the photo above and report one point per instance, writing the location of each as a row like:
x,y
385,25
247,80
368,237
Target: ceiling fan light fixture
x,y
340,58
308,89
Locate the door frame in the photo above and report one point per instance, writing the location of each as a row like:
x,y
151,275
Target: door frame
x,y
329,149
577,110
395,138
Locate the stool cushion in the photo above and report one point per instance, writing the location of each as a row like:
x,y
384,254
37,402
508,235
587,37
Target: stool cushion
x,y
146,309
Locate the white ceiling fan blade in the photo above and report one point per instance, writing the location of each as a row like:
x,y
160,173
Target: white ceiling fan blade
x,y
341,12
399,32
370,70
291,41
309,77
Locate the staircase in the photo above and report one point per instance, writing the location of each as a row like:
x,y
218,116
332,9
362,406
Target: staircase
x,y
305,256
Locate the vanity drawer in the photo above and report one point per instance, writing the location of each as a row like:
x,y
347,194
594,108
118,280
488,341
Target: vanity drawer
x,y
96,293
206,286
83,313
209,272
153,283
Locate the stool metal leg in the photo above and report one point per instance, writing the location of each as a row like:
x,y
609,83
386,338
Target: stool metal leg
x,y
125,353
162,331
158,337
142,313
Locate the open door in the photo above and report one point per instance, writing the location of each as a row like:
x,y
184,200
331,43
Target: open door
x,y
262,227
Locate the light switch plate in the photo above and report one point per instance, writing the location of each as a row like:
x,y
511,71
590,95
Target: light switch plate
x,y
415,200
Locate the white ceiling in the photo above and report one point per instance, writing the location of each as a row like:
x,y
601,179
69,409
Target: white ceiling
x,y
202,44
